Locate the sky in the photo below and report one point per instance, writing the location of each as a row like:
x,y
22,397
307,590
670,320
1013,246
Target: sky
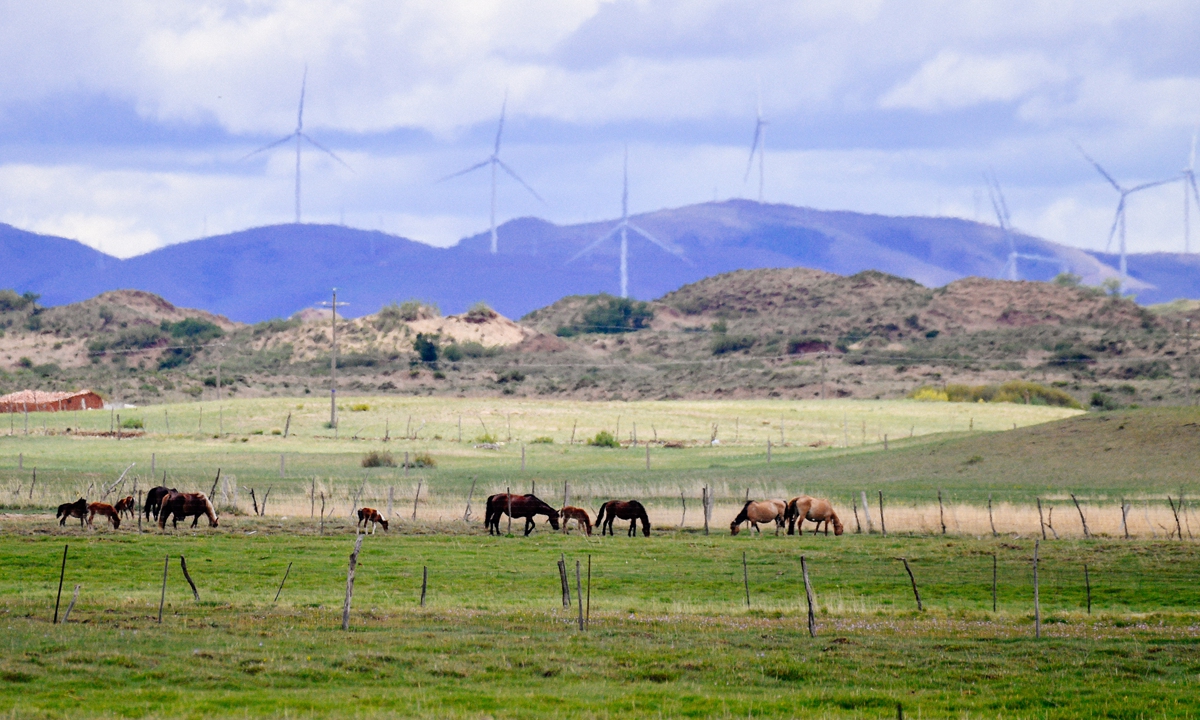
x,y
125,124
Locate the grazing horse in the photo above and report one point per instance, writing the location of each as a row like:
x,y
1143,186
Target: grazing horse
x,y
125,505
154,499
815,510
759,511
76,509
517,506
108,511
371,516
185,505
579,515
630,510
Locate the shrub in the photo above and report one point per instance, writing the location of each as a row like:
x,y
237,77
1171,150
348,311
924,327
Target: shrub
x,y
607,315
426,347
10,300
132,424
473,349
360,407
544,440
1101,401
452,352
25,363
1014,391
604,439
510,376
378,458
486,439
802,345
411,310
928,393
732,343
480,313
422,460
193,329
720,327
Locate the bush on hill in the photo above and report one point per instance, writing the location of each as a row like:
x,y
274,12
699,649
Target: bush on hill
x,y
1014,391
607,314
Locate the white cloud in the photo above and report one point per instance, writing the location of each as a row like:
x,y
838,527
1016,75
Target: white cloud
x,y
951,81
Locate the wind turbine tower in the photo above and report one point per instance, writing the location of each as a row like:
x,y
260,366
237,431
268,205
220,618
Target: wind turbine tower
x,y
1011,271
622,229
1119,218
300,137
494,162
758,145
1189,186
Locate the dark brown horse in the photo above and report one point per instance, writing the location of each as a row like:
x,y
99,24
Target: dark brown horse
x,y
630,510
77,509
185,505
108,511
517,506
154,500
124,506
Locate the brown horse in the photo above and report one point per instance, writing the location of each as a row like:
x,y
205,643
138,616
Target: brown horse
x,y
579,515
517,506
372,517
124,506
77,509
108,511
154,499
630,510
815,510
185,505
759,511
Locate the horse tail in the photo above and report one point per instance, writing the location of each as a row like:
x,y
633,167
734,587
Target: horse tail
x,y
600,514
209,509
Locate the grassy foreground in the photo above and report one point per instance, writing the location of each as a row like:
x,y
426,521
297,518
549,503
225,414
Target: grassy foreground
x,y
670,634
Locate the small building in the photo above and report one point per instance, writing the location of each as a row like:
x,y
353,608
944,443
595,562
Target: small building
x,y
42,401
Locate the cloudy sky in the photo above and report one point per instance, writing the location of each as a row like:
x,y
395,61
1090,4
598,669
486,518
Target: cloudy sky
x,y
122,123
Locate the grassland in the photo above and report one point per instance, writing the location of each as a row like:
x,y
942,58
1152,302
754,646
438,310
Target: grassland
x,y
669,634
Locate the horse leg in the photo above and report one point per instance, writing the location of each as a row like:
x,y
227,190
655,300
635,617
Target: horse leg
x,y
529,525
826,527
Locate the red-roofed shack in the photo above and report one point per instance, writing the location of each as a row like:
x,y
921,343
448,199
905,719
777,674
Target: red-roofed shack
x,y
42,401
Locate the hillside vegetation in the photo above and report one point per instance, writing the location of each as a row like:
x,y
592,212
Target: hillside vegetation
x,y
787,333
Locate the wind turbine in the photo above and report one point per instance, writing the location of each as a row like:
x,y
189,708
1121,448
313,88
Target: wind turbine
x,y
1011,271
1189,184
622,229
759,145
300,137
1119,218
495,162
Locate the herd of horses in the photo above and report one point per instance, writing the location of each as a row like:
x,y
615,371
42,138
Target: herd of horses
x,y
163,503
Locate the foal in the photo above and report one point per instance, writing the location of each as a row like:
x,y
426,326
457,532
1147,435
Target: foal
x,y
579,515
371,515
108,511
125,505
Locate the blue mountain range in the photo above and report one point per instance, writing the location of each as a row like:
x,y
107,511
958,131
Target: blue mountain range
x,y
275,271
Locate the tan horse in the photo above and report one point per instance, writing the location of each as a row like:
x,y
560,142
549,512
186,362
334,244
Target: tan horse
x,y
186,505
108,511
759,511
579,515
817,510
371,516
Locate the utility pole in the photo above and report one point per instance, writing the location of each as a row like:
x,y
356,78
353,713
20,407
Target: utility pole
x,y
333,361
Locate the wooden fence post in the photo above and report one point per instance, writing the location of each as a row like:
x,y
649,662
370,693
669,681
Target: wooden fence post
x,y
162,598
683,502
882,526
350,583
1087,583
812,619
467,511
188,577
562,578
587,615
1041,519
287,426
704,498
281,582
71,605
579,594
424,582
993,582
857,524
1082,519
913,580
1125,518
417,498
746,578
61,574
139,512
1037,606
267,494
312,498
254,500
391,497
990,520
867,512
322,513
1174,511
942,512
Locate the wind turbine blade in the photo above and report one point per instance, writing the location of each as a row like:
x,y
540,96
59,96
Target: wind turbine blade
x,y
500,127
1116,221
1195,190
595,244
673,249
509,170
1147,186
1099,169
300,112
753,147
1192,156
476,166
326,150
267,147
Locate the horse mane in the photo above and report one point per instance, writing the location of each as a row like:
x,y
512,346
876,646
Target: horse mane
x,y
741,516
208,506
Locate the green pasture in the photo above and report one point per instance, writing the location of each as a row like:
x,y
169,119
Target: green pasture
x,y
669,634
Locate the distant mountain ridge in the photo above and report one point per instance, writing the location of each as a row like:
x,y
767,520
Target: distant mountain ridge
x,y
275,271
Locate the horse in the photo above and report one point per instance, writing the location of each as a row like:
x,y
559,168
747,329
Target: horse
x,y
76,509
154,499
185,505
815,510
579,515
108,511
759,511
630,510
125,505
517,506
371,515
